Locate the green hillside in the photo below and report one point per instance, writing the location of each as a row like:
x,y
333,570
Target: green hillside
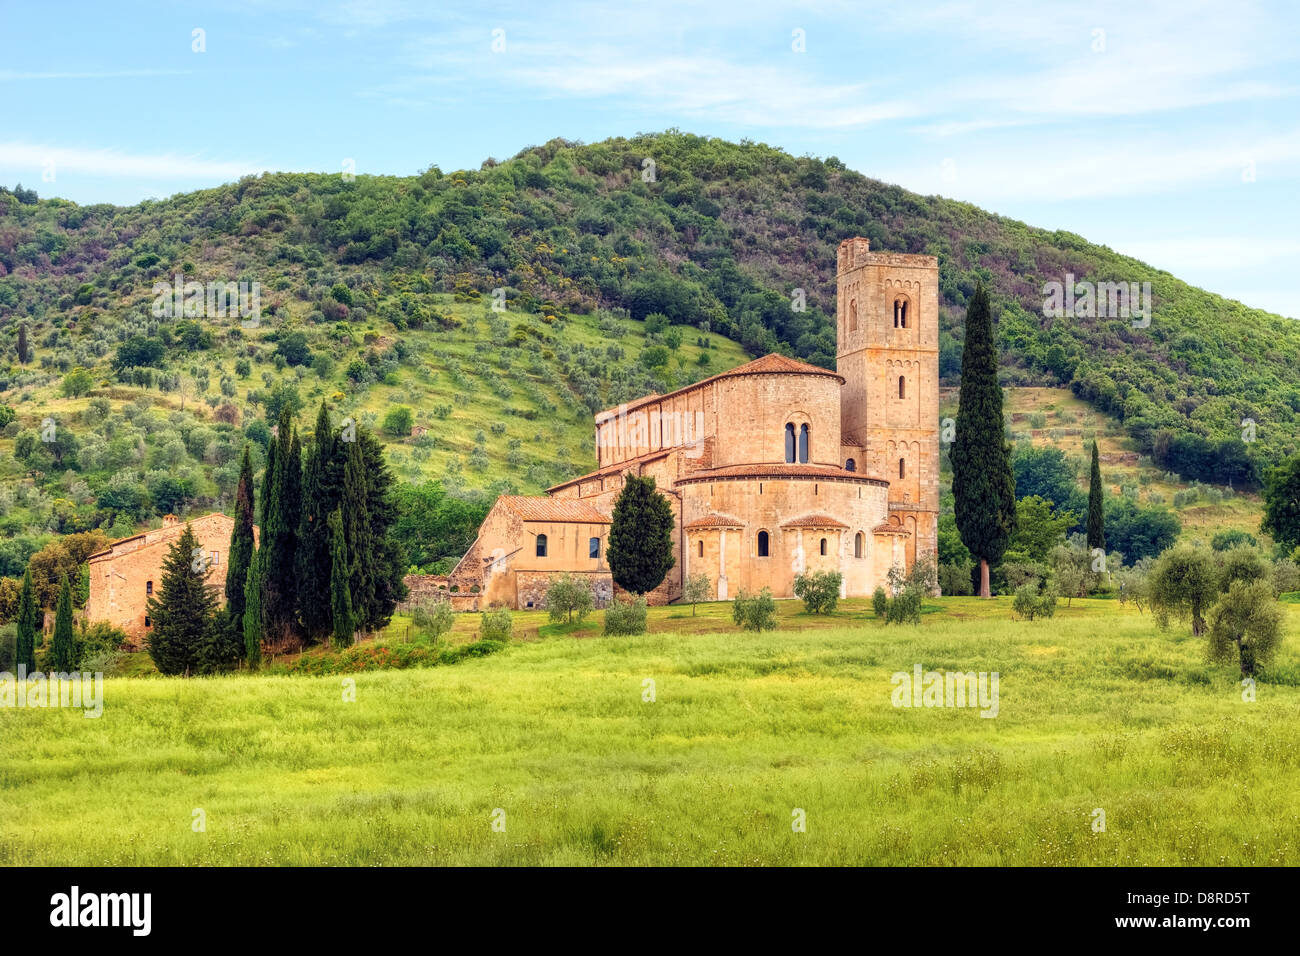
x,y
380,293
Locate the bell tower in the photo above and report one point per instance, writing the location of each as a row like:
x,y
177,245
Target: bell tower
x,y
887,321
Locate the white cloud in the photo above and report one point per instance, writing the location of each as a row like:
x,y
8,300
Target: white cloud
x,y
114,163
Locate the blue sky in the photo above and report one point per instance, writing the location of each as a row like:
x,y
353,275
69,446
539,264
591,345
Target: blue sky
x,y
1165,130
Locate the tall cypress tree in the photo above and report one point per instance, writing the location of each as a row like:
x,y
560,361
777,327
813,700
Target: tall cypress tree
x,y
280,536
983,483
355,514
344,621
241,543
322,477
1096,521
24,350
63,648
25,644
388,562
640,548
182,612
253,612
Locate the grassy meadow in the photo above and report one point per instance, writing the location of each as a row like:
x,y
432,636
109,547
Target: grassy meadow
x,y
1097,709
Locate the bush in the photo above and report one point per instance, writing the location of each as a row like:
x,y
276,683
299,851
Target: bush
x,y
496,625
398,421
904,607
954,578
567,596
434,621
819,591
880,601
755,612
625,618
1030,602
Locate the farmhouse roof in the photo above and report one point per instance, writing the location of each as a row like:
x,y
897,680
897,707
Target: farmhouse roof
x,y
541,508
770,364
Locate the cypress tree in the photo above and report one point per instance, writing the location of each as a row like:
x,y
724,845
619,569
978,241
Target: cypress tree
x,y
183,611
640,548
1096,521
354,513
983,484
387,560
25,644
24,350
344,623
280,536
253,612
241,543
321,482
63,648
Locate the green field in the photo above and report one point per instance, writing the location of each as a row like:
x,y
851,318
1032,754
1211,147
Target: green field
x,y
1097,709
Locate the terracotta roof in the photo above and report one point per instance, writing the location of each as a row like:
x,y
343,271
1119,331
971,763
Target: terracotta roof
x,y
552,509
161,533
781,471
814,521
887,528
770,364
615,469
714,521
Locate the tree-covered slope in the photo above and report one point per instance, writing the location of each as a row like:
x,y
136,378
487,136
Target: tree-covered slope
x,y
716,236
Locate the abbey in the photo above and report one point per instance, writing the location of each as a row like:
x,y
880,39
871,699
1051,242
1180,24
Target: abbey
x,y
772,469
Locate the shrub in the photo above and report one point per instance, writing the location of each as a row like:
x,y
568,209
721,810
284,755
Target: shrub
x,y
398,421
434,621
904,607
566,596
954,578
699,588
496,625
755,612
819,591
625,618
1031,602
1245,625
880,601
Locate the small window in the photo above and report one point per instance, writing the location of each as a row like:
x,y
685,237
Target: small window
x,y
148,587
859,541
216,558
853,315
593,547
823,546
701,544
762,544
803,444
902,468
541,545
850,465
147,622
900,313
902,387
789,442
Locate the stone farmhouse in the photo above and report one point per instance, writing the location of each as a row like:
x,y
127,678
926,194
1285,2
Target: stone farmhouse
x,y
773,468
125,574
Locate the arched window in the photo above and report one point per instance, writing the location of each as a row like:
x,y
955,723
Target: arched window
x,y
593,547
762,544
850,465
541,545
853,315
823,545
900,313
902,386
859,545
789,442
803,444
701,547
902,468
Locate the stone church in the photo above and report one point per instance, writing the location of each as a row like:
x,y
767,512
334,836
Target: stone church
x,y
773,468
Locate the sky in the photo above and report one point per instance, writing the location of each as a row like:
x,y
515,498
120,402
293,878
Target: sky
x,y
1169,131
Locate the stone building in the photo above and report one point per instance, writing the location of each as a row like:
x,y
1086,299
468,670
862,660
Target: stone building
x,y
128,572
772,468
